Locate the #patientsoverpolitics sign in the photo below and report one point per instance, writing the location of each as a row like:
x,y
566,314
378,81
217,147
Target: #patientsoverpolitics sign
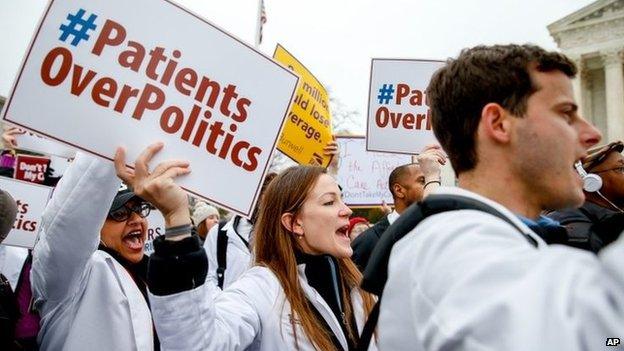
x,y
363,175
31,200
308,126
399,118
104,73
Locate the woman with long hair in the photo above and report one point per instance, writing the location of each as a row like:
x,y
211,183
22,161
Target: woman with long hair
x,y
302,291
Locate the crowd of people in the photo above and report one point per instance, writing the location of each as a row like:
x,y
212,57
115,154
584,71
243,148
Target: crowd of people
x,y
532,262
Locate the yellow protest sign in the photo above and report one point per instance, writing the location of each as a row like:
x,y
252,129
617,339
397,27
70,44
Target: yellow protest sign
x,y
308,126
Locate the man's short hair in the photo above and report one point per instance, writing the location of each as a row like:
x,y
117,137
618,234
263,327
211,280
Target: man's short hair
x,y
397,175
484,74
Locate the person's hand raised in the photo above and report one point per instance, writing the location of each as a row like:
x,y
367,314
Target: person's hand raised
x,y
158,186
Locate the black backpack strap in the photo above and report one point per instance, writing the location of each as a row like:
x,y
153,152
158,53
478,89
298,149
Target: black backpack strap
x,y
376,273
369,328
222,240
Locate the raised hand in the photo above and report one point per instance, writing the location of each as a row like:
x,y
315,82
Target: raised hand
x,y
9,137
158,187
430,160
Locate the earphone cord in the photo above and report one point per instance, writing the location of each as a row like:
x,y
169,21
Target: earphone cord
x,y
610,203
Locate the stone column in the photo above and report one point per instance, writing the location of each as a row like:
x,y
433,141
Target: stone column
x,y
614,84
577,85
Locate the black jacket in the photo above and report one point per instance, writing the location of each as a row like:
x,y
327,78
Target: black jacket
x,y
9,313
590,227
364,244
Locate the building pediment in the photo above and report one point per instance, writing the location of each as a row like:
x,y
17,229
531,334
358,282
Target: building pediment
x,y
592,14
594,28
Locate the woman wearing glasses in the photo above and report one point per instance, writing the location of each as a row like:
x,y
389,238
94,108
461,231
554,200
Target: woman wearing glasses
x,y
88,274
601,218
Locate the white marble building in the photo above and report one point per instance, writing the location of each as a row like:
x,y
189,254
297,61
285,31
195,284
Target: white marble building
x,y
594,38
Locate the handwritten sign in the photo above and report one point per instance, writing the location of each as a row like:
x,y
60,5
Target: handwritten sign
x,y
363,175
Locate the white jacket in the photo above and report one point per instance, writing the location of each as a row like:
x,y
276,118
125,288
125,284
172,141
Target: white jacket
x,y
86,299
238,256
466,280
12,261
251,314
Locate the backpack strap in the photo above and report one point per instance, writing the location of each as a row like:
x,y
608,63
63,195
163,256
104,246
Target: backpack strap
x,y
222,240
376,273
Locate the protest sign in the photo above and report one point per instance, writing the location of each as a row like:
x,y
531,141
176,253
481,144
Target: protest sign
x,y
31,200
99,74
399,118
308,126
363,175
35,143
155,228
31,168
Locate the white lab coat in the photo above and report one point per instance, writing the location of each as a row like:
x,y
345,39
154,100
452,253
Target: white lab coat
x,y
466,280
12,261
251,314
86,299
238,256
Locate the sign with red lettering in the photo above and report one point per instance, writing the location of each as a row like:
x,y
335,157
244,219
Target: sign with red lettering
x,y
399,118
155,228
363,175
104,73
31,200
31,168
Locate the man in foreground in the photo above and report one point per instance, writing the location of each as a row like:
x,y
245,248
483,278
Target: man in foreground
x,y
467,280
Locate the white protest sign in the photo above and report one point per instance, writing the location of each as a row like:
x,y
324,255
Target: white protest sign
x,y
155,228
363,175
399,119
104,73
31,200
33,142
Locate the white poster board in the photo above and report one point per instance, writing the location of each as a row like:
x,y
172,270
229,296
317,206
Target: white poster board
x,y
363,175
155,228
33,142
31,200
104,73
399,119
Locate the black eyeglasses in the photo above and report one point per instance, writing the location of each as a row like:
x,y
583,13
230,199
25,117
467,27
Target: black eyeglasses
x,y
617,169
124,212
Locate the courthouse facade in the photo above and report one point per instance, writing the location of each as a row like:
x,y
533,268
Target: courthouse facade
x,y
594,37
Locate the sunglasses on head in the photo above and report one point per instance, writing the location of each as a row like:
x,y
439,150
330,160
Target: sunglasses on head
x,y
124,212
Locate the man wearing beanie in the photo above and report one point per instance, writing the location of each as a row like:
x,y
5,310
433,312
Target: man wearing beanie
x,y
204,217
601,218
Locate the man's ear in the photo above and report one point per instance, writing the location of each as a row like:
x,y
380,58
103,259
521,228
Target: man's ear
x,y
290,222
398,190
496,122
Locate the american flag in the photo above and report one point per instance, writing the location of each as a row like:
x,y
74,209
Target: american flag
x,y
261,21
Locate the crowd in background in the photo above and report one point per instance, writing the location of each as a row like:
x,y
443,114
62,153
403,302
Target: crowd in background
x,y
532,262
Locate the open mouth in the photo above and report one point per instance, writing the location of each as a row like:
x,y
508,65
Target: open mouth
x,y
134,240
342,231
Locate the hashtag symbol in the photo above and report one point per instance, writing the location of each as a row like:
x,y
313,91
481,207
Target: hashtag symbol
x,y
386,93
77,27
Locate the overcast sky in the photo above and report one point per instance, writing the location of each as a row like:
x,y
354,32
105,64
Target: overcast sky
x,y
336,39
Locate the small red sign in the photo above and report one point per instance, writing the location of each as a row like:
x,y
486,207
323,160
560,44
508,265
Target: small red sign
x,y
31,168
